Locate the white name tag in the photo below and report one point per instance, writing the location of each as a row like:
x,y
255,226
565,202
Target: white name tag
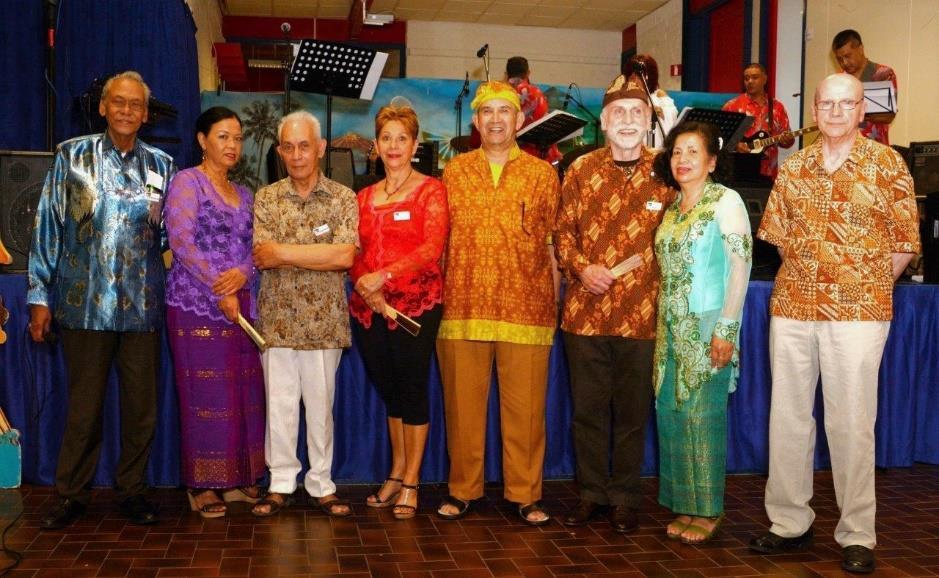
x,y
154,180
653,206
153,196
321,230
402,215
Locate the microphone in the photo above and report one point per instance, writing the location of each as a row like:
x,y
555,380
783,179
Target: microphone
x,y
285,27
639,65
567,97
465,90
483,50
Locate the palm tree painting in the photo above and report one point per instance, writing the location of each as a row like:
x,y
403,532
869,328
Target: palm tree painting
x,y
260,125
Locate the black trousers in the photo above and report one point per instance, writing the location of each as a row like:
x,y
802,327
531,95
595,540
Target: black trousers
x,y
88,358
398,363
611,386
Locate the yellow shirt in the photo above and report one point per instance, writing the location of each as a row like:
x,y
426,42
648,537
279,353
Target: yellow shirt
x,y
498,283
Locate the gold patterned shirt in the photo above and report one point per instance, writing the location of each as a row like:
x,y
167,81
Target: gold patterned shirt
x,y
607,216
837,233
300,308
498,283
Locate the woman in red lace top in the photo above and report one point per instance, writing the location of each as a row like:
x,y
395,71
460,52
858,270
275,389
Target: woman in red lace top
x,y
403,226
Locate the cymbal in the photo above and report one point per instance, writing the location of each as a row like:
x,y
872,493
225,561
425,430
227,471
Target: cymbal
x,y
461,143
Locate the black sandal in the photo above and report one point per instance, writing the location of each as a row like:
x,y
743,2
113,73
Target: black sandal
x,y
375,501
327,506
524,511
462,507
275,505
406,511
215,509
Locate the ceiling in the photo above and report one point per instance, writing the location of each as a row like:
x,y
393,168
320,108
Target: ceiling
x,y
585,14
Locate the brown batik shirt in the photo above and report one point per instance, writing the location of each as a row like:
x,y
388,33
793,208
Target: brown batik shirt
x,y
605,217
300,308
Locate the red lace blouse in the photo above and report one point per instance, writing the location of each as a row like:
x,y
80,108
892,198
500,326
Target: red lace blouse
x,y
405,238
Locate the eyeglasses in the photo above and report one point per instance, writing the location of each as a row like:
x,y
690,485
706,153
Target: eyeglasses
x,y
119,103
305,148
842,104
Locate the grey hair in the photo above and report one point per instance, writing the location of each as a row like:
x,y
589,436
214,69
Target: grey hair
x,y
299,116
126,75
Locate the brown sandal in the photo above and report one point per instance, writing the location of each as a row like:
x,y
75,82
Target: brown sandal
x,y
328,506
275,505
375,501
403,510
215,509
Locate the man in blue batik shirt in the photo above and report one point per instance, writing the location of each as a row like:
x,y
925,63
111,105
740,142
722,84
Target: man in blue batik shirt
x,y
95,265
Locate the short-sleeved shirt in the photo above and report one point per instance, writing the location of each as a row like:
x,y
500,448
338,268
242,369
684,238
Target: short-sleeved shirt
x,y
769,164
878,131
498,282
300,308
837,233
606,217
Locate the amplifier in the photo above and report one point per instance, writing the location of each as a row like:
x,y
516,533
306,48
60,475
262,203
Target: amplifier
x,y
22,174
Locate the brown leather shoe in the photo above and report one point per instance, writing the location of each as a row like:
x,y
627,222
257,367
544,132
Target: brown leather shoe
x,y
857,559
624,519
581,514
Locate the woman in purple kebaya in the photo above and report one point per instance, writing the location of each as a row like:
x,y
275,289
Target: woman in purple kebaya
x,y
209,221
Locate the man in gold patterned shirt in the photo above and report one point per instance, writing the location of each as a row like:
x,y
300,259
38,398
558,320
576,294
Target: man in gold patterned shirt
x,y
610,207
305,234
499,304
843,215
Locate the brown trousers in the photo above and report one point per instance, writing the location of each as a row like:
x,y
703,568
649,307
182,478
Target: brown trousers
x,y
466,371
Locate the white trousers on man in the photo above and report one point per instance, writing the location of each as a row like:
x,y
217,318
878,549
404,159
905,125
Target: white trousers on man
x,y
289,376
847,354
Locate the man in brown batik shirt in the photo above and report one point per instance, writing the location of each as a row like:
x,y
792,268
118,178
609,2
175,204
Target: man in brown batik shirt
x,y
611,204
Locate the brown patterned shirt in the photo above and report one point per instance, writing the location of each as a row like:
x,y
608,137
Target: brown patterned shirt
x,y
300,308
837,232
606,217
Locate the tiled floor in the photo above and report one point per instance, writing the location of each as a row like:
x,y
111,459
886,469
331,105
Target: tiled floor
x,y
489,542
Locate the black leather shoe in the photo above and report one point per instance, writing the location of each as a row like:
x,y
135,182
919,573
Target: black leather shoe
x,y
770,543
139,511
857,559
63,515
581,514
624,519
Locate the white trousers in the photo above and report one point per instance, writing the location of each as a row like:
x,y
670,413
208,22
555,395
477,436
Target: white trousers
x,y
289,376
847,354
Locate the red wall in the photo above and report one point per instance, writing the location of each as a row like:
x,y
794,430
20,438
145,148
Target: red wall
x,y
725,58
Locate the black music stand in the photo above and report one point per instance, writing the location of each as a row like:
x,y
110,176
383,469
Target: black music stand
x,y
552,128
336,69
732,125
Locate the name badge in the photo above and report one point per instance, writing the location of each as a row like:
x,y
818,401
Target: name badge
x,y
154,180
653,206
402,215
321,230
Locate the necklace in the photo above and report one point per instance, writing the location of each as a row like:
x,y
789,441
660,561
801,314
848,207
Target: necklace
x,y
398,188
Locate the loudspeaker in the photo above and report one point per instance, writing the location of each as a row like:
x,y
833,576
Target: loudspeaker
x,y
342,166
22,175
766,260
924,166
424,160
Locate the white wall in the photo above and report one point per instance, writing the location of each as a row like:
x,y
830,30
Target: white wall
x,y
788,65
903,34
556,56
208,18
659,34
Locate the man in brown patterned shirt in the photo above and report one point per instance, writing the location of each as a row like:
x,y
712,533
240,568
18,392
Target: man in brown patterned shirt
x,y
305,234
843,215
611,204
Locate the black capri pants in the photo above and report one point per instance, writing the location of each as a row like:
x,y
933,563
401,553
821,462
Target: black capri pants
x,y
398,363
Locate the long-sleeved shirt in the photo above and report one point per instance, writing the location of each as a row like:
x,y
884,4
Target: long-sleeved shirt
x,y
96,250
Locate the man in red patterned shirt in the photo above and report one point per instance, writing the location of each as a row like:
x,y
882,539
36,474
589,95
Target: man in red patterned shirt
x,y
534,104
755,102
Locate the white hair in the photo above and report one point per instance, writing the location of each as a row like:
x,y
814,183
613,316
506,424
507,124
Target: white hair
x,y
299,116
126,75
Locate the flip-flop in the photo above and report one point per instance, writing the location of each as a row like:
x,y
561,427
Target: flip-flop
x,y
275,505
524,511
375,501
704,534
462,507
328,507
679,525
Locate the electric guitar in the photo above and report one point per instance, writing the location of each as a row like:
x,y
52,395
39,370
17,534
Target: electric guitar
x,y
761,140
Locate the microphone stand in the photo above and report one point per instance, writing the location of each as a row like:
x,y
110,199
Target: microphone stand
x,y
594,120
655,116
458,105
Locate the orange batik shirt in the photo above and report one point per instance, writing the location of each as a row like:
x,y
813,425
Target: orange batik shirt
x,y
607,216
837,232
498,281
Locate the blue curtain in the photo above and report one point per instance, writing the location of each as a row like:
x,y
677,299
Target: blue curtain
x,y
98,38
22,84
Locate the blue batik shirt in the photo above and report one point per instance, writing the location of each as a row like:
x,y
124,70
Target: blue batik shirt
x,y
96,250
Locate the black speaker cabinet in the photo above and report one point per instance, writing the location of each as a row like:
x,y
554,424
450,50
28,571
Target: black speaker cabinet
x,y
930,238
22,175
766,259
924,166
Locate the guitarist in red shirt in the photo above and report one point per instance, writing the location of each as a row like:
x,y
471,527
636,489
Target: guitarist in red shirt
x,y
755,102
